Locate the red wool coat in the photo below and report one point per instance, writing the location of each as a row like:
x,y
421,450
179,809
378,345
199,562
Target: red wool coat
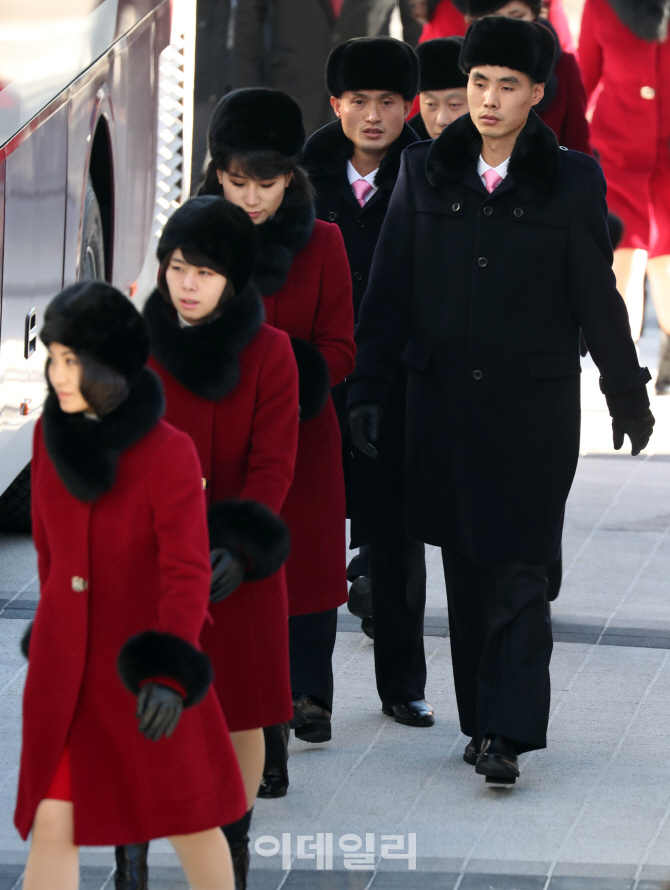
x,y
246,439
133,560
315,305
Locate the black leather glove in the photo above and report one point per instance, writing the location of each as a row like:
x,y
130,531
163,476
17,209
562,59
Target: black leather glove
x,y
638,430
364,420
158,710
228,570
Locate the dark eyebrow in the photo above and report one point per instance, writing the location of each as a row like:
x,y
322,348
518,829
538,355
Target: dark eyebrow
x,y
509,79
479,76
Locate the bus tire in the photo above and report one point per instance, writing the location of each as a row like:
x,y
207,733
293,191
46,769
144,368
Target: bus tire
x,y
92,256
15,504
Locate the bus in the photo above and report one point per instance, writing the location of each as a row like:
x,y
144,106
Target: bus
x,y
78,124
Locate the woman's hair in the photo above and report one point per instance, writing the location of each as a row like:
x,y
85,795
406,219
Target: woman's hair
x,y
260,164
103,388
195,259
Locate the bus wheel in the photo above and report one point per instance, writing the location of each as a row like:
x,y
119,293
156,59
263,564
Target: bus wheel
x,y
92,256
15,504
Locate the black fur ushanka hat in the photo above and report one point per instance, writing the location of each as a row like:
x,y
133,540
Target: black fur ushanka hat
x,y
528,47
439,60
215,230
373,63
476,9
256,119
95,320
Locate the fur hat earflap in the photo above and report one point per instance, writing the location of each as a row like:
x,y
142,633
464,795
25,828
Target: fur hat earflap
x,y
523,46
439,64
256,119
95,320
213,229
253,529
153,654
373,63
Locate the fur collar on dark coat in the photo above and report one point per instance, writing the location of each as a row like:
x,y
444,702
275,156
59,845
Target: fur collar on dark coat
x,y
417,124
535,160
85,451
204,358
328,150
280,239
647,19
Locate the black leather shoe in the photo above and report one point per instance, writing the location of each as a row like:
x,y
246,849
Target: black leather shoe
x,y
367,628
274,782
360,598
132,872
411,713
471,752
359,565
498,761
311,721
239,853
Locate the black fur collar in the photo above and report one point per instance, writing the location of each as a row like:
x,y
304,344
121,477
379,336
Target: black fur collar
x,y
280,239
328,150
647,19
417,124
85,451
204,358
535,160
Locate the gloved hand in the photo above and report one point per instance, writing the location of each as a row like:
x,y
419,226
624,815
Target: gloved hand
x,y
364,420
638,430
228,572
158,710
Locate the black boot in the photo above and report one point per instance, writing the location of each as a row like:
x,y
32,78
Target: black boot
x,y
132,872
275,772
237,835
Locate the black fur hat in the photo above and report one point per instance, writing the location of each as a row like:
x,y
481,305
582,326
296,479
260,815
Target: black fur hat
x,y
439,64
256,119
528,47
373,63
95,320
478,8
215,230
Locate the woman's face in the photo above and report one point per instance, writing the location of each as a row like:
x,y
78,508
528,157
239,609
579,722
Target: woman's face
x,y
195,291
64,370
259,198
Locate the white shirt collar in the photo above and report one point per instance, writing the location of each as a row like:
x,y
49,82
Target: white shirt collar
x,y
482,167
353,175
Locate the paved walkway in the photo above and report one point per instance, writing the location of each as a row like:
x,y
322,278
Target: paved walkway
x,y
592,811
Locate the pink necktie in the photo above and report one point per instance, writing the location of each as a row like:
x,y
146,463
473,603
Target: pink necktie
x,y
493,180
337,7
361,189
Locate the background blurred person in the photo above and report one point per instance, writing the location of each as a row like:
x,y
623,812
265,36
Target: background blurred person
x,y
442,87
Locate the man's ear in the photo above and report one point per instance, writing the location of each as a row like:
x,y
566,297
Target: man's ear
x,y
336,103
408,108
538,93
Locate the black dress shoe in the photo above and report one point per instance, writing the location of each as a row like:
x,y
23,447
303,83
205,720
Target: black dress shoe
x,y
274,782
360,598
311,721
471,752
411,713
498,761
367,628
132,872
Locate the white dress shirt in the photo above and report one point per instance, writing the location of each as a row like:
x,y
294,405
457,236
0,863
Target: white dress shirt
x,y
482,167
353,175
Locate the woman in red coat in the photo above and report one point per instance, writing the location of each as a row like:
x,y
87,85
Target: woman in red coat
x,y
120,530
231,383
625,57
255,138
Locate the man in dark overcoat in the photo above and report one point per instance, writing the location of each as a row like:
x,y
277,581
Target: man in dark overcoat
x,y
482,289
372,82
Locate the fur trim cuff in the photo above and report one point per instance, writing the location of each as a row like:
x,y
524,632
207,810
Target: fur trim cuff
x,y
152,654
25,640
253,529
313,378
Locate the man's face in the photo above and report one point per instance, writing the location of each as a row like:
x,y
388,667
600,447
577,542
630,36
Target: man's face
x,y
500,100
439,108
372,119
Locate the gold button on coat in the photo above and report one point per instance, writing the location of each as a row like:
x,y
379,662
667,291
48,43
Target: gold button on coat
x,y
79,584
648,93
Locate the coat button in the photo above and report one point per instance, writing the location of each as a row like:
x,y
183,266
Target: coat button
x,y
456,207
358,276
518,212
562,148
488,210
482,261
79,584
648,93
332,216
360,223
477,375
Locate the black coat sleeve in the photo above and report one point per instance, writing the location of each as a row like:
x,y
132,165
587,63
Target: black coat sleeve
x,y
600,308
384,321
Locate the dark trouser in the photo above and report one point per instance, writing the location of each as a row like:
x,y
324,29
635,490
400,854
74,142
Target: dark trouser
x,y
398,575
311,640
501,645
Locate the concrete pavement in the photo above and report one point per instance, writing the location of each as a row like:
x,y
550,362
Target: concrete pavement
x,y
592,811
